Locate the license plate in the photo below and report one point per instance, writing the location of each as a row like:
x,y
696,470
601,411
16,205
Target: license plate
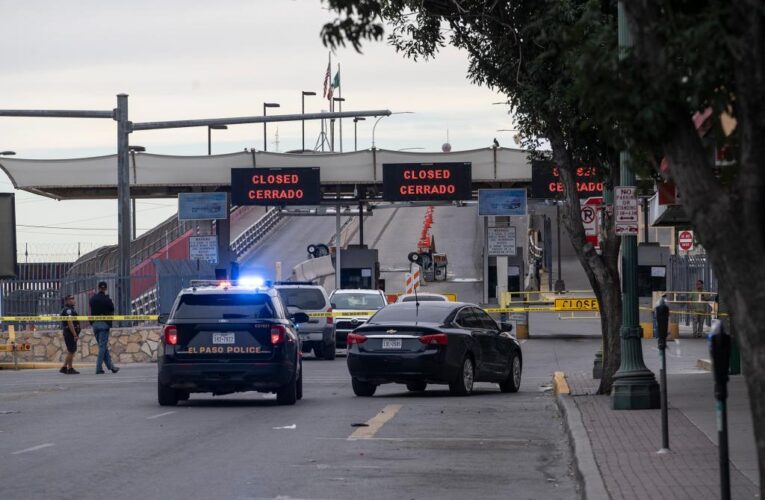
x,y
224,338
391,344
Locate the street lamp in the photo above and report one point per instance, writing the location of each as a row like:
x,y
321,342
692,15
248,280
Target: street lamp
x,y
133,150
13,153
302,110
267,105
341,100
380,118
356,120
209,135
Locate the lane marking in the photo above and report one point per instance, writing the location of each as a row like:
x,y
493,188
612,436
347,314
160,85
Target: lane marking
x,y
33,448
375,423
160,415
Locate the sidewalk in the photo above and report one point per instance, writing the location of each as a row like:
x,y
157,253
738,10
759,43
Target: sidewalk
x,y
616,450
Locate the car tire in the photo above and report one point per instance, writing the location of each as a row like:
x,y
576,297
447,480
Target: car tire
x,y
462,385
299,388
183,395
166,396
318,351
363,389
330,351
513,381
287,394
416,386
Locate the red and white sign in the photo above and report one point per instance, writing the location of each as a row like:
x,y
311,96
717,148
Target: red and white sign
x,y
685,240
591,218
626,210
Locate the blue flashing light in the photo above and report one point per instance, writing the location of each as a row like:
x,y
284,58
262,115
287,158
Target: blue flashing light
x,y
252,282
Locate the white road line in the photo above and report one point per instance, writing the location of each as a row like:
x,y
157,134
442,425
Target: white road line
x,y
523,442
160,415
33,448
375,423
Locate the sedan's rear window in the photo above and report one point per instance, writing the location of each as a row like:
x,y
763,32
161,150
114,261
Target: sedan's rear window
x,y
308,299
225,306
423,298
412,313
357,301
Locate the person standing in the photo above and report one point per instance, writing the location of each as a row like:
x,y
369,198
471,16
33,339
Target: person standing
x,y
71,330
101,305
701,309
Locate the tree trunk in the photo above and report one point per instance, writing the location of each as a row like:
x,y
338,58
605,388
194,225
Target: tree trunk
x,y
601,269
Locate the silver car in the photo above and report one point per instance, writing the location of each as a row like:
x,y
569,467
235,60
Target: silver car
x,y
319,333
352,309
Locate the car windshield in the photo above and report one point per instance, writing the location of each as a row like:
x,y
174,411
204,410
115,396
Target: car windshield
x,y
424,298
425,314
308,299
357,301
225,306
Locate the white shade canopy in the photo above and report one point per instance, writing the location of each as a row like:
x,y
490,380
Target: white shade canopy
x,y
162,176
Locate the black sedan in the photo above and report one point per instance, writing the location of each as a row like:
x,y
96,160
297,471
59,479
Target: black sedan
x,y
433,343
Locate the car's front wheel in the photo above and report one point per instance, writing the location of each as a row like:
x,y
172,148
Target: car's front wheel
x,y
166,395
363,389
462,385
513,381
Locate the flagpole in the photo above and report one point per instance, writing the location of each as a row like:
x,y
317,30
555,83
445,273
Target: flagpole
x,y
340,95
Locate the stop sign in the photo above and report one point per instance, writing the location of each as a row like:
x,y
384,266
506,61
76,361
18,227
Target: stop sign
x,y
685,240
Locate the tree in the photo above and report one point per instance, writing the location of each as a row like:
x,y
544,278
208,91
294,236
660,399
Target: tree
x,y
519,49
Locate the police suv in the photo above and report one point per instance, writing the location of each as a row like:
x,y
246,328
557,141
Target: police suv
x,y
223,337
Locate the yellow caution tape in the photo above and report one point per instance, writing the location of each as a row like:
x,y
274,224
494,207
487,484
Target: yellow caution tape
x,y
337,314
689,313
136,317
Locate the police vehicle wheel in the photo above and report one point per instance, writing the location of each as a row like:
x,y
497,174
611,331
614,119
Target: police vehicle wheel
x,y
416,386
287,394
330,351
167,396
363,389
513,381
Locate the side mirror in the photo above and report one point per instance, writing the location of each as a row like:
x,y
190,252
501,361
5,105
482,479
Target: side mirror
x,y
300,317
162,319
505,326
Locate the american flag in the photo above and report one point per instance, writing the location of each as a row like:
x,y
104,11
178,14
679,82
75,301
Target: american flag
x,y
327,82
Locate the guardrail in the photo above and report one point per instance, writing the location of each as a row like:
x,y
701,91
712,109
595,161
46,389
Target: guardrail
x,y
255,232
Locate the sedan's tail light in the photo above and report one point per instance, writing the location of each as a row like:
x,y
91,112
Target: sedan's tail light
x,y
278,334
171,335
436,339
330,318
355,338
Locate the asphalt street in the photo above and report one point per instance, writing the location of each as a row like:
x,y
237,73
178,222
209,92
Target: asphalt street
x,y
89,436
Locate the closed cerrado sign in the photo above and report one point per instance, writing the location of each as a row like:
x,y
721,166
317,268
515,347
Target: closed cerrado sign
x,y
427,181
275,186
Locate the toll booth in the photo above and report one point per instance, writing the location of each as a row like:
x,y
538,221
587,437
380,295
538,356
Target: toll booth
x,y
359,267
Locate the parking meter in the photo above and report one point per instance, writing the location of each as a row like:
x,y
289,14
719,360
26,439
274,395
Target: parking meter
x,y
662,322
719,349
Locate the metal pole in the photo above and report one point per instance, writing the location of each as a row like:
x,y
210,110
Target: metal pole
x,y
123,204
302,112
338,243
361,223
645,220
664,407
722,440
209,140
559,284
265,147
355,135
340,120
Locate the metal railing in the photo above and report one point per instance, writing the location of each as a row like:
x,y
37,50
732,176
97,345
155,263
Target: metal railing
x,y
255,232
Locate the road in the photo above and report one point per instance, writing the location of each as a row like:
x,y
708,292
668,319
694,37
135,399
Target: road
x,y
89,436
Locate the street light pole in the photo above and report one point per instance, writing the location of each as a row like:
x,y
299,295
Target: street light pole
x,y
380,118
302,112
355,135
341,100
267,105
134,225
635,386
209,135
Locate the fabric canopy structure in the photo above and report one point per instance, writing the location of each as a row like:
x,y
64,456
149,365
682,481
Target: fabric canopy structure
x,y
161,176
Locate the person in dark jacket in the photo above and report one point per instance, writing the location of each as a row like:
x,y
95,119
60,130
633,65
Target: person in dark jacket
x,y
71,331
102,305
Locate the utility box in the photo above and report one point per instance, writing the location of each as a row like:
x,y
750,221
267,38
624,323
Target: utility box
x,y
653,263
359,267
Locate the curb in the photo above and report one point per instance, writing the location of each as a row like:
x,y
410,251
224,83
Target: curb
x,y
41,366
704,364
587,471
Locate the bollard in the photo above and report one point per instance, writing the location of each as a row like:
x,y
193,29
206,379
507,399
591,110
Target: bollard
x,y
719,349
661,318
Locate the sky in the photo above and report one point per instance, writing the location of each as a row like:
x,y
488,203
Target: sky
x,y
199,59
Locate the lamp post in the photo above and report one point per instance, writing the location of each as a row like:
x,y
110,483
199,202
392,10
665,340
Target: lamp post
x,y
134,224
267,105
13,153
340,100
355,136
209,135
380,118
302,111
635,386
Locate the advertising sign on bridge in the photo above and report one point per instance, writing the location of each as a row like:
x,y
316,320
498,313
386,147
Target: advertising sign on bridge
x,y
546,182
427,181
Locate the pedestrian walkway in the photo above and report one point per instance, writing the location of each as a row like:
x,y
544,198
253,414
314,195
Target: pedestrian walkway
x,y
624,444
